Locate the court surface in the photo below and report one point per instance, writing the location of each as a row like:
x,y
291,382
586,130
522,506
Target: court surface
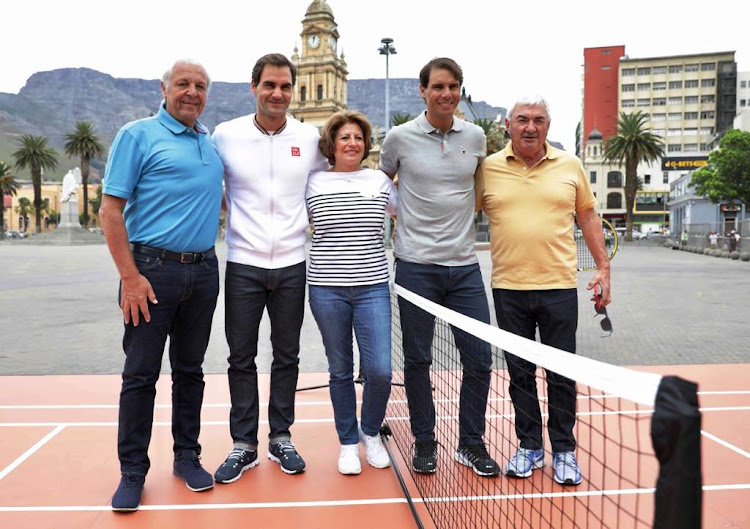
x,y
58,465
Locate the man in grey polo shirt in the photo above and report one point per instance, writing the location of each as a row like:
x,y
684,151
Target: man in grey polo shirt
x,y
436,156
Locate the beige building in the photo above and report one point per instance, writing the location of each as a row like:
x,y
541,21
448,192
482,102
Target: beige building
x,y
15,220
321,73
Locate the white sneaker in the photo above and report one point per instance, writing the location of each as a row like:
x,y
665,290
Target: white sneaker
x,y
349,460
377,455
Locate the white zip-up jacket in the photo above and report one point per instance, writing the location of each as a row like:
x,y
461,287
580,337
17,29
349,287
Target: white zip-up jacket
x,y
266,177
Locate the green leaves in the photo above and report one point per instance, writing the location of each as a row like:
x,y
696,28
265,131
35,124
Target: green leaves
x,y
727,175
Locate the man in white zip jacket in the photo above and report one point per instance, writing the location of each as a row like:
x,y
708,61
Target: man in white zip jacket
x,y
267,158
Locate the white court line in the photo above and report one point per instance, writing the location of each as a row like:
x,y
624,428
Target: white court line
x,y
344,503
28,453
307,403
726,444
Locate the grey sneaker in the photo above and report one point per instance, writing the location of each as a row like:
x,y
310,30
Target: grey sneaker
x,y
285,454
235,464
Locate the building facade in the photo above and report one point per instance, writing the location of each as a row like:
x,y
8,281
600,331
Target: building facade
x,y
600,89
320,90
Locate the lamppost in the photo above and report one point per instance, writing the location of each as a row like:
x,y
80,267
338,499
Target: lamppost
x,y
387,49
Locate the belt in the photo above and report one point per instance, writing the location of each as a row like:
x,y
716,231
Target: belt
x,y
166,255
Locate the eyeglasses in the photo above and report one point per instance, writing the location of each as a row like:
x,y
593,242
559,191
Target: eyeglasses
x,y
600,309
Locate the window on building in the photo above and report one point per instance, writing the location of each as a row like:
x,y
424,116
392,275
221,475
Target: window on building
x,y
658,70
644,70
303,93
674,148
628,88
658,117
708,98
614,179
674,132
658,132
743,102
704,147
628,103
614,200
596,150
690,147
665,177
659,101
705,83
743,84
592,176
320,92
647,179
675,100
691,100
675,68
708,114
708,66
675,84
675,116
691,67
691,83
626,72
690,131
691,115
605,52
706,131
606,67
644,86
660,86
644,102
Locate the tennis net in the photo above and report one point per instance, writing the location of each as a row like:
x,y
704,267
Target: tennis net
x,y
637,434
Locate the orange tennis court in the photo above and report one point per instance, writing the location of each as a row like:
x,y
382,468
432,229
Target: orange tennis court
x,y
58,463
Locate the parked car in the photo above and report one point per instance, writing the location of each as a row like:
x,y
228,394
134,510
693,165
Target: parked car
x,y
637,235
14,234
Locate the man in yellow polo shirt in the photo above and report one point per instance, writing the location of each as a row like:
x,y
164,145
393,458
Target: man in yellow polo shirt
x,y
530,192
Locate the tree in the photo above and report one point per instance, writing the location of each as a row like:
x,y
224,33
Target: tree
x,y
494,133
96,202
400,119
35,154
8,186
632,145
727,175
24,208
85,144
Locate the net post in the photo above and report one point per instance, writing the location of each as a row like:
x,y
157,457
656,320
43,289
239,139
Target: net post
x,y
385,431
675,433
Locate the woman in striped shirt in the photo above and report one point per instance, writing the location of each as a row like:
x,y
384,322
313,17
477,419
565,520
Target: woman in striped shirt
x,y
348,282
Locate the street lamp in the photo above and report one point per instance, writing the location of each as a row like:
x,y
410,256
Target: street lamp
x,y
387,49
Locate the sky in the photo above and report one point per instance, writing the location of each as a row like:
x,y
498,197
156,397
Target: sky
x,y
507,50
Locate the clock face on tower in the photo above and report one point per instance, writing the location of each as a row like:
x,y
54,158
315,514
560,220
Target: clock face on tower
x,y
313,41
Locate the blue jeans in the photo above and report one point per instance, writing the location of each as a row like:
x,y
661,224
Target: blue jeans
x,y
187,298
249,291
556,314
459,288
367,309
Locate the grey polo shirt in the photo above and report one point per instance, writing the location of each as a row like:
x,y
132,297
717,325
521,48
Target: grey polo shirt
x,y
435,189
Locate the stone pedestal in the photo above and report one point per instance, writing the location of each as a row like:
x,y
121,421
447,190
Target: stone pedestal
x,y
69,214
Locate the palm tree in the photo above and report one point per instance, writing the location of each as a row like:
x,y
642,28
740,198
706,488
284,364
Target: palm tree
x,y
23,208
84,143
37,156
400,119
494,134
632,145
8,186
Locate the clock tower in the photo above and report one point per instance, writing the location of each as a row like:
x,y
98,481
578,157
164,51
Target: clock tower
x,y
321,73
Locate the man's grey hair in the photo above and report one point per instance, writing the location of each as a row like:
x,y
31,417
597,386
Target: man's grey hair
x,y
168,74
532,101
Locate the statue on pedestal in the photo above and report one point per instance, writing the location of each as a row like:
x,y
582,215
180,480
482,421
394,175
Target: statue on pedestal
x,y
69,199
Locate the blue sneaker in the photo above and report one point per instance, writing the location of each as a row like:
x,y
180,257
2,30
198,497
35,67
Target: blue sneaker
x,y
187,466
567,471
127,497
523,462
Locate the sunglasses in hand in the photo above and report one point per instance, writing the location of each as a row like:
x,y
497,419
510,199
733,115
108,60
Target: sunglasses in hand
x,y
600,309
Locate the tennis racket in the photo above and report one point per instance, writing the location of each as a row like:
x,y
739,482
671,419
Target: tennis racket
x,y
585,259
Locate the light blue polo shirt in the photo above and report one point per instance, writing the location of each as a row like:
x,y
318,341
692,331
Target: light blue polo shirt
x,y
171,177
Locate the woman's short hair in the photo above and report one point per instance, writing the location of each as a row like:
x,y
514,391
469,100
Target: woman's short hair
x,y
327,144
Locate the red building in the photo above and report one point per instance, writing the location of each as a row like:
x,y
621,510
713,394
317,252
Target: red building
x,y
600,91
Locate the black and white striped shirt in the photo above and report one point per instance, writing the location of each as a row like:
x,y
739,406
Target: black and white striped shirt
x,y
347,211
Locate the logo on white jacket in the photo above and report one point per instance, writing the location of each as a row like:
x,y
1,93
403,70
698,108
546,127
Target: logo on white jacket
x,y
295,151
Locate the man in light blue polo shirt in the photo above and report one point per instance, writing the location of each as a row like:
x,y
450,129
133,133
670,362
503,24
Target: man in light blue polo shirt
x,y
160,213
436,156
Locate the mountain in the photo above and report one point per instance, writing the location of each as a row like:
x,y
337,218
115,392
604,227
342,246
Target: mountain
x,y
52,102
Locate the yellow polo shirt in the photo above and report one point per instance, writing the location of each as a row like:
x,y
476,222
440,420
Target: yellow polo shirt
x,y
530,210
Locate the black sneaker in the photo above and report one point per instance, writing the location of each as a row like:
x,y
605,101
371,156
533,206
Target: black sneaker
x,y
127,497
286,455
236,463
477,458
187,465
425,457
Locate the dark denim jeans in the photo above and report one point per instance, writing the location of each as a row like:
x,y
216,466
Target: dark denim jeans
x,y
186,295
366,308
249,290
556,314
459,288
